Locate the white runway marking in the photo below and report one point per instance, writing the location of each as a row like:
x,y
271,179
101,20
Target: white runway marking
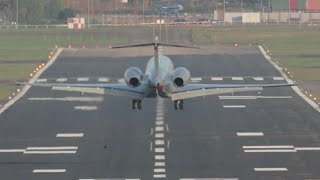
x,y
54,148
11,150
269,150
158,123
278,78
196,79
234,106
253,97
258,78
159,164
159,128
250,134
111,179
269,147
307,148
49,170
86,108
121,80
209,179
159,150
159,170
83,79
61,79
49,152
68,135
159,157
159,176
159,135
80,99
159,118
159,142
237,78
104,79
216,78
41,80
271,169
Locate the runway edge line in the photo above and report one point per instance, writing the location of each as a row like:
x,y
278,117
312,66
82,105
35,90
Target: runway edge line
x,y
295,88
32,80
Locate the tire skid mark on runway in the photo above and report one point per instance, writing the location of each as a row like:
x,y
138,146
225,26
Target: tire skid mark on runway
x,y
159,142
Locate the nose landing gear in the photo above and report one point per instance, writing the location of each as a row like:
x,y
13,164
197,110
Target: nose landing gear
x,y
178,104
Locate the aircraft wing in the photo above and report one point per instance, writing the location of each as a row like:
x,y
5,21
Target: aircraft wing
x,y
197,90
109,89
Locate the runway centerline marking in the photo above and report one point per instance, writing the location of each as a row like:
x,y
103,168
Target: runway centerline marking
x,y
258,78
86,108
83,79
278,78
71,99
216,78
61,79
41,80
104,79
269,147
252,97
237,78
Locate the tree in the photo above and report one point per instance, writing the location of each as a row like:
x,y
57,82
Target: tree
x,y
65,14
54,8
35,13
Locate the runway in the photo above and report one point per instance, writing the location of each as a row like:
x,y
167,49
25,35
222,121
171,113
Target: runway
x,y
272,134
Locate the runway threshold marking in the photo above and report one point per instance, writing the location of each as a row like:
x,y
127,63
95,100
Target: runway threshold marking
x,y
250,134
69,135
49,170
234,106
271,169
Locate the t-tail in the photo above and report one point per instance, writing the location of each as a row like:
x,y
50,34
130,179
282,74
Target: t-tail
x,y
156,45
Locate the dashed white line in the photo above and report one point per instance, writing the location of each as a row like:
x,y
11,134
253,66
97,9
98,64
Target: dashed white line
x,y
86,108
196,79
159,128
158,123
159,142
159,164
252,97
250,134
61,79
41,80
83,79
159,150
234,106
159,176
271,169
307,148
49,170
159,170
71,99
209,179
258,78
69,135
103,79
278,78
121,80
159,157
159,135
159,118
237,78
216,78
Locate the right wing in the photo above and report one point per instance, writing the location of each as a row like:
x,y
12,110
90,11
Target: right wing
x,y
109,89
198,90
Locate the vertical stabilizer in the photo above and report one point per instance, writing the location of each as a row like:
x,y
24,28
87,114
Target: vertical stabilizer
x,y
156,58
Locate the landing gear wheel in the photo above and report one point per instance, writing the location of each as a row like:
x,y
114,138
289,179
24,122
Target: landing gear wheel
x,y
181,104
136,104
175,104
139,104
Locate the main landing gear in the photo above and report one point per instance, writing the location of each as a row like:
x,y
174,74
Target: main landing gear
x,y
178,104
136,104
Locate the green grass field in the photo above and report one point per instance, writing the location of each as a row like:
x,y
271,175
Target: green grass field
x,y
294,47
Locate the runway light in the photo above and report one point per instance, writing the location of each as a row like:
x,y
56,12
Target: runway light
x,y
69,46
31,74
110,46
315,99
13,94
56,47
10,97
288,72
34,71
49,57
37,69
51,53
310,95
236,44
285,69
306,92
42,64
18,90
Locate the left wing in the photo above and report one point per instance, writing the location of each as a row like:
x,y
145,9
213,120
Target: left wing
x,y
109,89
197,90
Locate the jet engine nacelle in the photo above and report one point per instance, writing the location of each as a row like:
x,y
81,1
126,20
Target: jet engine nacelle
x,y
133,76
180,76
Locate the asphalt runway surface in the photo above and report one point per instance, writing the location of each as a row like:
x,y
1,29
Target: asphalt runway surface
x,y
272,134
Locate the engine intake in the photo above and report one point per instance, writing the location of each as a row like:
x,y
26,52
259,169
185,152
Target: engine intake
x,y
180,76
133,76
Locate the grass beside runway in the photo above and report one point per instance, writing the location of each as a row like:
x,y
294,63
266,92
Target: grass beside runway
x,y
296,48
